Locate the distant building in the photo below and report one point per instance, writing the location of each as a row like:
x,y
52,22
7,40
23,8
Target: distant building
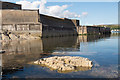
x,y
8,5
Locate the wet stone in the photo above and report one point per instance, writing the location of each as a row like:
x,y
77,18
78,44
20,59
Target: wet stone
x,y
65,63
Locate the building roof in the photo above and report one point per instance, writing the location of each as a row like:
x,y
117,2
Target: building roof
x,y
9,2
9,5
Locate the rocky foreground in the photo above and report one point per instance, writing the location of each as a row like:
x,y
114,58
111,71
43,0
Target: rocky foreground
x,y
65,63
6,35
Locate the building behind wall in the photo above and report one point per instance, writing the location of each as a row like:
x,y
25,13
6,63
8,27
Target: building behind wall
x,y
8,5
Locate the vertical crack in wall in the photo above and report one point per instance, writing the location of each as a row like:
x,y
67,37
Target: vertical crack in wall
x,y
0,40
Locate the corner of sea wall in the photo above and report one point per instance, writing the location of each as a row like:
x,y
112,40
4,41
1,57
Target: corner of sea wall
x,y
25,23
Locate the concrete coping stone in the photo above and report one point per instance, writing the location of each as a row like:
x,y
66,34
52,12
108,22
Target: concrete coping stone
x,y
21,23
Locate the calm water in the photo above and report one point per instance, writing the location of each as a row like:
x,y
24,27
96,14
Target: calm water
x,y
102,50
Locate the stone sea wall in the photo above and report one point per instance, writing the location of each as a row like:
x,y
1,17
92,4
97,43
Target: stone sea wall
x,y
58,33
19,16
32,29
7,36
39,25
20,22
93,30
58,22
30,21
53,26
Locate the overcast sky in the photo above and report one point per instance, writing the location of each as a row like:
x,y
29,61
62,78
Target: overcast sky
x,y
88,13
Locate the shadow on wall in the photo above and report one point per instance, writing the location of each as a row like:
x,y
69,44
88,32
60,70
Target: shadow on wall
x,y
53,26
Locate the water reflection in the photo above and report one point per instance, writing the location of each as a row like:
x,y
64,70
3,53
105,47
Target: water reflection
x,y
20,53
77,69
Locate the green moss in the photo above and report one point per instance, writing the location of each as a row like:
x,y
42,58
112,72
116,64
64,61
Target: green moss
x,y
110,26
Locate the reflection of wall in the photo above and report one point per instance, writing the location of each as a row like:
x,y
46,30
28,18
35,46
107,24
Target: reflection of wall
x,y
115,34
50,44
91,38
18,53
23,46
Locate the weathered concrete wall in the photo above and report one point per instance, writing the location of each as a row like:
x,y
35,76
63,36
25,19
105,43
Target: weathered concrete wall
x,y
53,26
92,30
22,27
0,20
0,41
81,30
20,16
0,15
8,5
97,30
50,31
30,21
34,29
92,38
107,30
21,21
76,22
57,22
58,33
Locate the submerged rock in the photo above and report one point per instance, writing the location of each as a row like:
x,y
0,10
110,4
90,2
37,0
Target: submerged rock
x,y
65,63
